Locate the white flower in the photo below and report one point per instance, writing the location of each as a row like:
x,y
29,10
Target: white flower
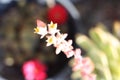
x,y
52,28
50,40
41,28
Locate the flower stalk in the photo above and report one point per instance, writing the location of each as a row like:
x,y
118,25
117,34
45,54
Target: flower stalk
x,y
57,39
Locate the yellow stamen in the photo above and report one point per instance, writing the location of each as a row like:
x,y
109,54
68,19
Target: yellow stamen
x,y
50,40
36,30
52,25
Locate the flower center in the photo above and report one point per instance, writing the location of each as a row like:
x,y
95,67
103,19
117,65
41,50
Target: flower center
x,y
36,30
52,26
50,40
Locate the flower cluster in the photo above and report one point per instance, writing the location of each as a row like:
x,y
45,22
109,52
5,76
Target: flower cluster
x,y
57,39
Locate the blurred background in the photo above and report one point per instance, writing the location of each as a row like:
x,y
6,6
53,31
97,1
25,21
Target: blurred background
x,y
19,44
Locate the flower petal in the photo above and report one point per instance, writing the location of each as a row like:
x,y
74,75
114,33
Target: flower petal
x,y
40,23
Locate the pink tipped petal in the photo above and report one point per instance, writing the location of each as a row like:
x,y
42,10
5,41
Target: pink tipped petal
x,y
77,53
77,60
41,28
88,76
67,46
40,23
77,64
92,77
69,53
88,66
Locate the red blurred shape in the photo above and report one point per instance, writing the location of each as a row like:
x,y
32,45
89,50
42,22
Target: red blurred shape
x,y
57,14
34,70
